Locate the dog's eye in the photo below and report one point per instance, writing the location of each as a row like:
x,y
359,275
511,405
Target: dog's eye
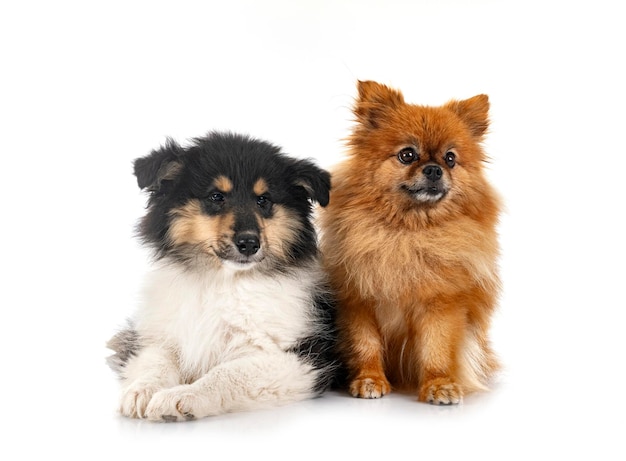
x,y
450,159
216,197
263,201
408,155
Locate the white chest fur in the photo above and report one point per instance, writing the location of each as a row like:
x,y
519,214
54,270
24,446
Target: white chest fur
x,y
209,317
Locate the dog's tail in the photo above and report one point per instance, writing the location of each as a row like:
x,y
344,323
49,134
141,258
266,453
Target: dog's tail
x,y
125,345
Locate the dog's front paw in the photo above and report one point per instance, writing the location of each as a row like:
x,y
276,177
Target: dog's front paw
x,y
180,403
135,399
441,391
370,387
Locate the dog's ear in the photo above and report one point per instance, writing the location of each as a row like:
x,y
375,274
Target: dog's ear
x,y
374,100
314,180
474,112
163,164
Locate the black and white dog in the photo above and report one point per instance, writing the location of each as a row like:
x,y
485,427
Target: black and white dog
x,y
236,314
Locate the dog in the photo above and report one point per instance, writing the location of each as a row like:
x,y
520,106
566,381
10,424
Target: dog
x,y
411,248
237,313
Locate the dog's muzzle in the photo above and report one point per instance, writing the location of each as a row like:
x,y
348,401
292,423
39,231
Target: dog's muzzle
x,y
430,187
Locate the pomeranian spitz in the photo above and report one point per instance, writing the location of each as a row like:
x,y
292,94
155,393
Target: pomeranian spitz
x,y
236,314
410,243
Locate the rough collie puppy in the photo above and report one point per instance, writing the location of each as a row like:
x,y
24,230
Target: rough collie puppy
x,y
236,314
410,244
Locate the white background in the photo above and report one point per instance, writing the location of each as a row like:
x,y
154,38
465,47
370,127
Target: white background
x,y
86,87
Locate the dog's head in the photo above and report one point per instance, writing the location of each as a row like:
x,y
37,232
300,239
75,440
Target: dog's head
x,y
424,156
230,200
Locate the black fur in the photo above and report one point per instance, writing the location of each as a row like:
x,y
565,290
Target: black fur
x,y
319,350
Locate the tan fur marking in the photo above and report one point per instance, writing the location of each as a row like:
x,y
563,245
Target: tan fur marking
x,y
278,230
223,184
260,187
191,226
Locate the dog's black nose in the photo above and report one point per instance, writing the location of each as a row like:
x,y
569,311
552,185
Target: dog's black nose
x,y
433,172
247,244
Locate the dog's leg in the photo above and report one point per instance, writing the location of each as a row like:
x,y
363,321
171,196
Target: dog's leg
x,y
248,383
151,370
478,362
363,350
440,335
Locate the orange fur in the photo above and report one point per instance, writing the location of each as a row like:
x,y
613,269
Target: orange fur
x,y
417,280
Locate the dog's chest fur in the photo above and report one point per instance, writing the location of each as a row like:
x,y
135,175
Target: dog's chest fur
x,y
208,317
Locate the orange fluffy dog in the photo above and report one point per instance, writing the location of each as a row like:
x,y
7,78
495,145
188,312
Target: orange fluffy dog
x,y
410,242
